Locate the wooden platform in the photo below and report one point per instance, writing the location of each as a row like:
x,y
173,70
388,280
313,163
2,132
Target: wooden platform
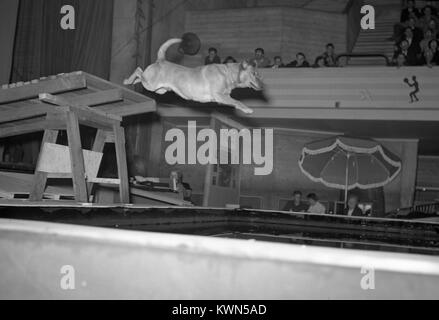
x,y
64,102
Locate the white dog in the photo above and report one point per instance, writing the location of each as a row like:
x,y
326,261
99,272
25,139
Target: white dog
x,y
211,83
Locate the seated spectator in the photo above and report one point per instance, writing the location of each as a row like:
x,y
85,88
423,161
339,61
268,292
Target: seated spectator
x,y
229,59
399,60
433,26
417,33
433,6
353,210
410,12
278,63
319,62
431,55
213,57
409,48
427,17
329,56
296,204
423,45
314,205
300,62
259,60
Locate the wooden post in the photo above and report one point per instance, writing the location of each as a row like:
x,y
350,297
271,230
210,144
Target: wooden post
x,y
76,157
98,146
122,168
40,178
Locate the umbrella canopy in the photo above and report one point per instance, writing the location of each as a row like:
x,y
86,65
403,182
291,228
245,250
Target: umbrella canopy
x,y
349,163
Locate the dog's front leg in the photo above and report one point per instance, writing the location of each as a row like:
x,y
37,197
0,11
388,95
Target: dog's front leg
x,y
224,99
134,78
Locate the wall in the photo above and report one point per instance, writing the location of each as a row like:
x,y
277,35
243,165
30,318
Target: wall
x,y
287,176
170,15
280,31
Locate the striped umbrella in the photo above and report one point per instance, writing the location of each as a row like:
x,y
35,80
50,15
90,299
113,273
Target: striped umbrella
x,y
348,163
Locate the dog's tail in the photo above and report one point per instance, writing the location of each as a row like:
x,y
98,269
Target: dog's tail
x,y
161,55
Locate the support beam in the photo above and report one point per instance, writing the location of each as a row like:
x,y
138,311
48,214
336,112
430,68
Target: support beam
x,y
76,158
122,168
19,113
40,178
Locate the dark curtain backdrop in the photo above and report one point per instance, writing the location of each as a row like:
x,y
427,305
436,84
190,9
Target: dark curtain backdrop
x,y
43,48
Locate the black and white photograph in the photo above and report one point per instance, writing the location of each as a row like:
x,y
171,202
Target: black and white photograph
x,y
219,155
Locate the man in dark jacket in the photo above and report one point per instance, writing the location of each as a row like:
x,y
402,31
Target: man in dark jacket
x,y
213,57
353,210
296,204
410,11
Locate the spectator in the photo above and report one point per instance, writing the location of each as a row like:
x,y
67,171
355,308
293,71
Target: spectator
x,y
427,16
428,36
400,60
329,56
229,59
433,25
417,33
184,188
410,12
353,210
314,205
278,63
296,204
259,60
410,53
213,57
319,62
300,62
432,5
432,54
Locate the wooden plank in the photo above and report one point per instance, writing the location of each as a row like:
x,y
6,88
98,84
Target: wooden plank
x,y
55,159
102,84
92,114
28,127
63,83
19,113
98,146
129,110
101,97
122,168
159,196
40,178
76,158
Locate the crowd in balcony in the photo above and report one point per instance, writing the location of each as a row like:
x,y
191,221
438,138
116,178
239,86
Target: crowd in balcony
x,y
260,60
416,36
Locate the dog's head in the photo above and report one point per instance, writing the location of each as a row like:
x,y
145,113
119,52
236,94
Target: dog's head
x,y
249,77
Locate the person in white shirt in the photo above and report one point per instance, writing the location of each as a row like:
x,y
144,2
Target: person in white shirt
x,y
314,205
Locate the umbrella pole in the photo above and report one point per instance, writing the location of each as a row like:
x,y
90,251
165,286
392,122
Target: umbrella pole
x,y
346,181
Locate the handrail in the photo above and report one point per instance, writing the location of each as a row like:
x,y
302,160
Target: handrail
x,y
363,55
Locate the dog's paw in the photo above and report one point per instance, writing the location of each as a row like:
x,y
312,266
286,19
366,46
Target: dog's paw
x,y
248,111
126,82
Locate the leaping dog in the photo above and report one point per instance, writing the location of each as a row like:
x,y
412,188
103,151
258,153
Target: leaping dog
x,y
211,83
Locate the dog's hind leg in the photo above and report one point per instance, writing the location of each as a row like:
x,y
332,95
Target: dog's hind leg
x,y
223,99
136,77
